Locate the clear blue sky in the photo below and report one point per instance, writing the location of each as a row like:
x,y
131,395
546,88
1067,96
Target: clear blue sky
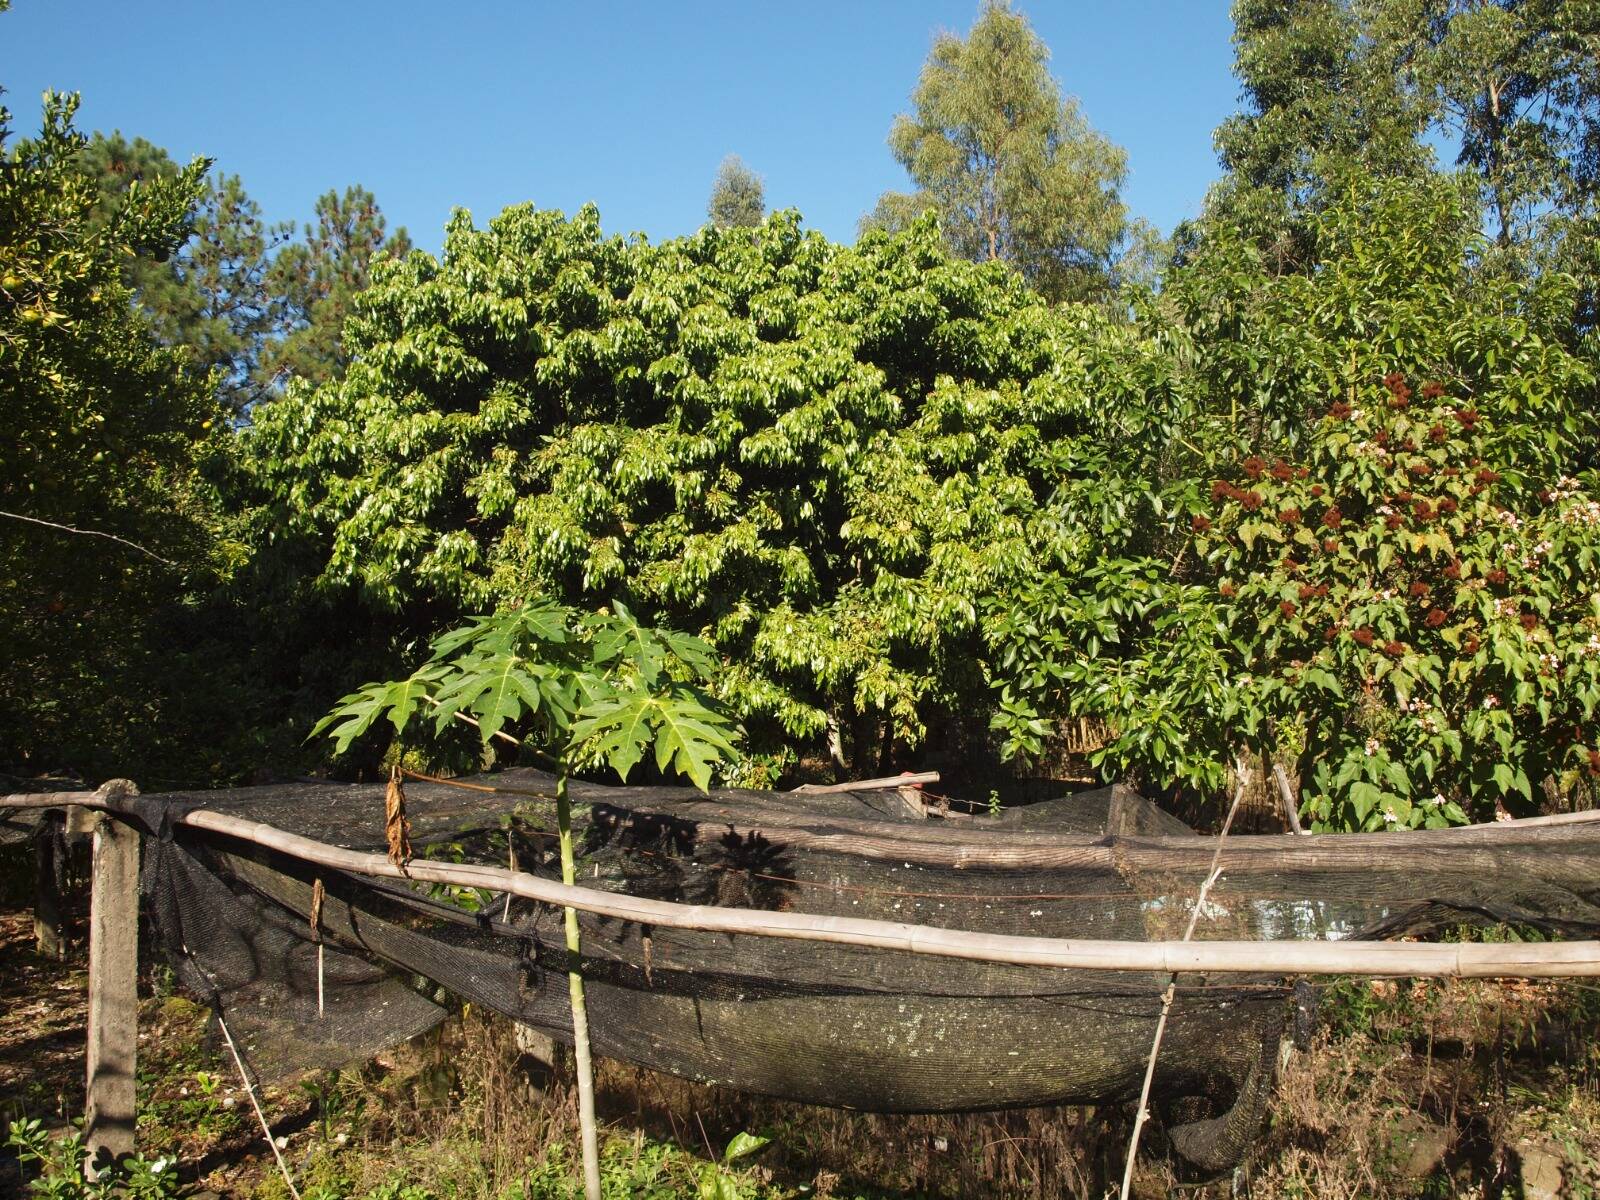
x,y
629,104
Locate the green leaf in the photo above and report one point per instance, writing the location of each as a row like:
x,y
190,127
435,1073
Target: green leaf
x,y
742,1146
688,741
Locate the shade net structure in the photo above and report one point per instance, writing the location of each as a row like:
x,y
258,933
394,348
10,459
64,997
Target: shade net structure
x,y
877,1030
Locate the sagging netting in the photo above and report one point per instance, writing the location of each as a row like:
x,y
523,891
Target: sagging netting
x,y
829,1024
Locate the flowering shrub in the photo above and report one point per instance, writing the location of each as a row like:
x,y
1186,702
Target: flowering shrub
x,y
1433,620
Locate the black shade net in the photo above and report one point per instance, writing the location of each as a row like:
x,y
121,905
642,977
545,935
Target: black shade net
x,y
830,1024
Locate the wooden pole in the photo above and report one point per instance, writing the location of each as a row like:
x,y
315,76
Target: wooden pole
x,y
886,783
49,935
113,994
587,1127
1533,960
1363,958
1290,808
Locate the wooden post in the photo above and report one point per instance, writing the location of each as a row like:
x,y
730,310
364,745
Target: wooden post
x,y
49,936
113,994
1290,807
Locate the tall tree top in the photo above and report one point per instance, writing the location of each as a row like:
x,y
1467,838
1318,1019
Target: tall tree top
x,y
1014,169
738,197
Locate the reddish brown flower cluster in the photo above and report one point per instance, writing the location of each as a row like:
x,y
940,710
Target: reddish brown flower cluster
x,y
1289,563
1467,416
1471,644
1199,523
1421,468
1253,466
1435,618
1308,592
1227,589
1453,571
1221,490
1290,516
1382,437
1546,495
1423,510
1450,472
1409,445
1436,433
1317,489
1399,393
1329,545
1432,391
1363,636
1530,622
1418,588
1394,649
1333,518
1498,575
1340,411
1594,762
1485,475
1331,632
1394,521
1283,471
1447,504
1250,501
1288,608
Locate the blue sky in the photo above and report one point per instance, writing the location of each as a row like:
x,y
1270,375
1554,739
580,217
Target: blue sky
x,y
629,104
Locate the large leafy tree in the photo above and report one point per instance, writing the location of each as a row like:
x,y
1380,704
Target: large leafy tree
x,y
1386,576
213,297
319,279
738,197
820,457
1013,169
1320,96
1516,84
101,427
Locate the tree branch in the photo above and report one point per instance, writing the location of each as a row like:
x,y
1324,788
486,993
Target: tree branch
x,y
88,533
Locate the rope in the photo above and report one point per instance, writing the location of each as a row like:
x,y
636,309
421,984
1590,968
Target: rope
x,y
249,1088
1143,1112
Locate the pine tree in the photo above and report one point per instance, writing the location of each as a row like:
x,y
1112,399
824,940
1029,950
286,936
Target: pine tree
x,y
211,298
319,280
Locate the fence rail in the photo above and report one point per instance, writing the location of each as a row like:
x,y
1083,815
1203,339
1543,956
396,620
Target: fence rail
x,y
1365,958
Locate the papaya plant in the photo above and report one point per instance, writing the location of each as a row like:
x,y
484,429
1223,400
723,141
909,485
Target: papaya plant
x,y
577,689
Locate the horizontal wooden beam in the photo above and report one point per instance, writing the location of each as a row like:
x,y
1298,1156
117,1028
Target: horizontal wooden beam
x,y
1364,958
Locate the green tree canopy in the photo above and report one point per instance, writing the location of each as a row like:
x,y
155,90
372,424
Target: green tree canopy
x,y
319,279
738,197
101,428
212,297
819,457
1013,169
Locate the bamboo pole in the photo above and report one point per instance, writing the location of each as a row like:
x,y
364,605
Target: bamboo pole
x,y
1141,1114
580,1010
909,779
1366,958
1525,959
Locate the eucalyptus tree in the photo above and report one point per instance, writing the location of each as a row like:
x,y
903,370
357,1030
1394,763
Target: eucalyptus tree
x,y
738,196
1013,169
